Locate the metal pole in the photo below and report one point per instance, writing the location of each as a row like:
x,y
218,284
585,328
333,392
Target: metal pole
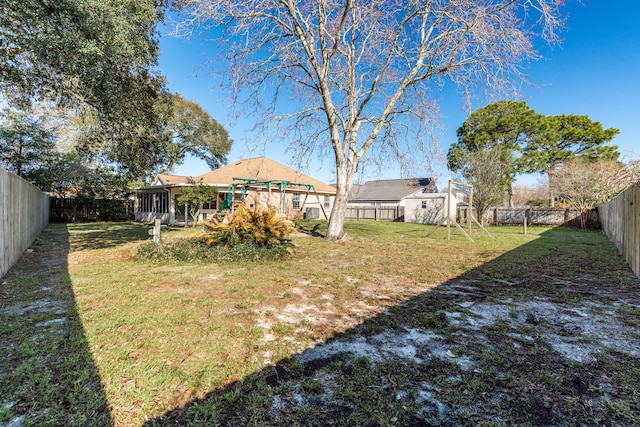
x,y
449,213
470,212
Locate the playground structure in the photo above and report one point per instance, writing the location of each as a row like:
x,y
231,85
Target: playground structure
x,y
237,192
451,217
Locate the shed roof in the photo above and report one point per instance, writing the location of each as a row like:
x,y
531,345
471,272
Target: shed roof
x,y
390,190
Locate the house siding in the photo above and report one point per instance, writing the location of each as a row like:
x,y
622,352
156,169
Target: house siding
x,y
428,208
253,198
257,175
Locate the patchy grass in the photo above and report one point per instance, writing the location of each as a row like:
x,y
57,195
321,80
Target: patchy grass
x,y
389,328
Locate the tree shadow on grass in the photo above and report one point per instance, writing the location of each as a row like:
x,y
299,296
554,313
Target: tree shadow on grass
x,y
47,373
546,334
101,235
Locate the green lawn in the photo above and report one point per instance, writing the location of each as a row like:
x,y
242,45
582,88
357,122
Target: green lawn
x,y
391,327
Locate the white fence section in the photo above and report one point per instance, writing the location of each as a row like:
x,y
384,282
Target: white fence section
x,y
24,212
620,220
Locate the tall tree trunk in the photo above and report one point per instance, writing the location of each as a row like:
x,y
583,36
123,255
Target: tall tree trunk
x,y
344,175
552,195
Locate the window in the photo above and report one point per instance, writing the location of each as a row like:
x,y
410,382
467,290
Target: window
x,y
424,204
296,201
327,202
153,202
376,204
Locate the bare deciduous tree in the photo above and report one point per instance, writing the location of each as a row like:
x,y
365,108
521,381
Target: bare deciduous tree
x,y
486,171
362,74
528,195
585,184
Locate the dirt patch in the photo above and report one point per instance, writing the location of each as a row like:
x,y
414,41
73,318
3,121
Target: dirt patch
x,y
535,351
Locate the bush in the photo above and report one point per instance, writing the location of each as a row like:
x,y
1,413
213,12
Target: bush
x,y
249,227
243,236
195,250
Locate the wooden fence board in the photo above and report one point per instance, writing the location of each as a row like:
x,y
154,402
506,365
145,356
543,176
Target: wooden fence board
x,y
621,223
24,212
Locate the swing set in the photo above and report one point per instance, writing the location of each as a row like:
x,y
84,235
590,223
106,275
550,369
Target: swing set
x,y
237,192
450,217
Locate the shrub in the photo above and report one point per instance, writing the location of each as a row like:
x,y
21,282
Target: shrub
x,y
245,235
195,250
253,227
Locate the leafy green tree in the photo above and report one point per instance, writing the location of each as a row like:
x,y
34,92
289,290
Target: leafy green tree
x,y
191,130
25,143
563,138
68,174
98,56
195,196
503,127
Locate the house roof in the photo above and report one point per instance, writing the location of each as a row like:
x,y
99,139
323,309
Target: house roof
x,y
166,179
258,168
390,190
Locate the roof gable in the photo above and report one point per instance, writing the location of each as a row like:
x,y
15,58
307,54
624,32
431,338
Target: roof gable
x,y
264,169
166,179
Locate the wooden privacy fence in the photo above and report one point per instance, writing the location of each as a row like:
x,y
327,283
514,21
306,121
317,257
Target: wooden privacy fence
x,y
536,215
90,210
392,213
24,212
621,223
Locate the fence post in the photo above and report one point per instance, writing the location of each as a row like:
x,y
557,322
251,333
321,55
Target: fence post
x,y
156,231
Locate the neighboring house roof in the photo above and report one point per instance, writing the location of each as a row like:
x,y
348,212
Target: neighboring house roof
x,y
258,168
166,179
391,190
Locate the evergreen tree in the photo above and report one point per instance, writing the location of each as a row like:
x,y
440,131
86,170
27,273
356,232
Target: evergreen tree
x,y
505,127
563,138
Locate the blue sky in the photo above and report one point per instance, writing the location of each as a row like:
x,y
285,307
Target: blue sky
x,y
595,71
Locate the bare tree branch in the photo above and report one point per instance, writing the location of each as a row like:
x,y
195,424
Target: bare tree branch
x,y
362,73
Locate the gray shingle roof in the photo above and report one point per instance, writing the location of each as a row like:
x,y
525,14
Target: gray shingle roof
x,y
390,190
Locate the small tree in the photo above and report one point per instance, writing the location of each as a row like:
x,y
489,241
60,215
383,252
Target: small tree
x,y
486,170
585,184
196,196
25,142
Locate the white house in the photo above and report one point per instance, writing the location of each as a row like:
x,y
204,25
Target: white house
x,y
430,208
389,192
